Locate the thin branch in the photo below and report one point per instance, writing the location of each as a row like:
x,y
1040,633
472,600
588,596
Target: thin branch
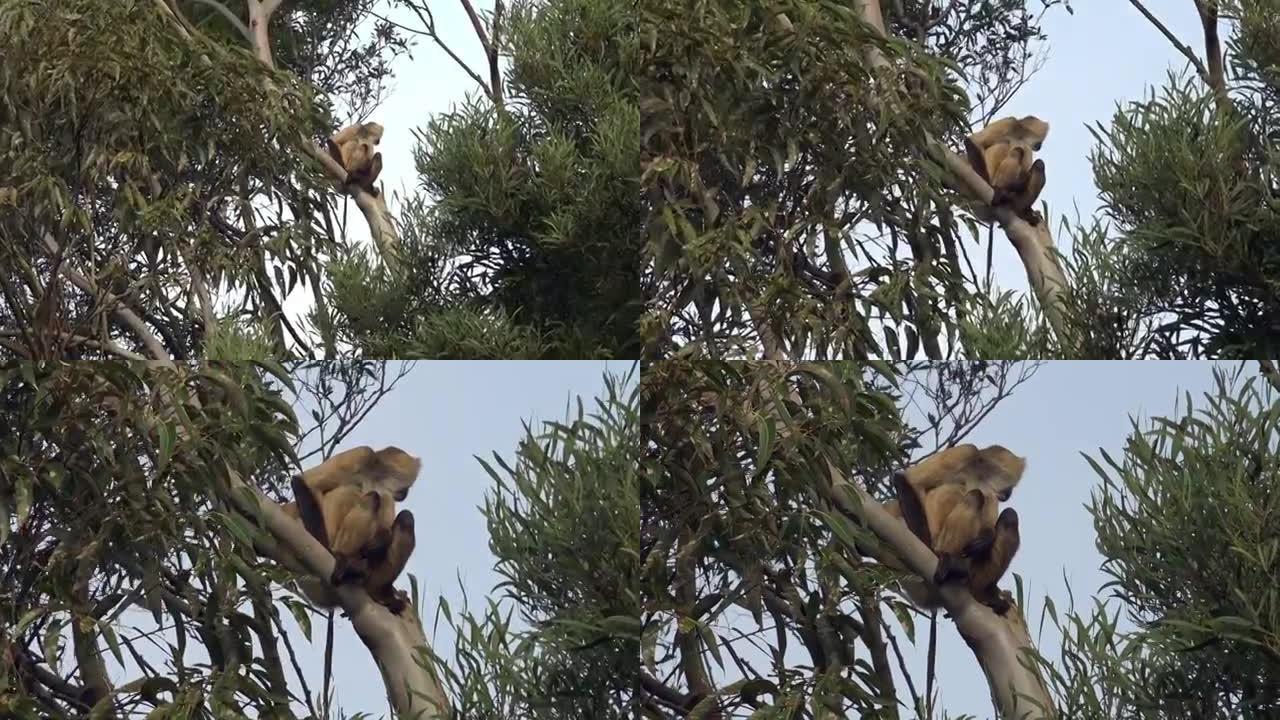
x,y
1178,45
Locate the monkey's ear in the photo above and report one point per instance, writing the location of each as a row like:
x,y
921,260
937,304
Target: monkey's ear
x,y
976,159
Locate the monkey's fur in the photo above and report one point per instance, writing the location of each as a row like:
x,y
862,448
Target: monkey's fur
x,y
353,148
348,504
949,501
1003,154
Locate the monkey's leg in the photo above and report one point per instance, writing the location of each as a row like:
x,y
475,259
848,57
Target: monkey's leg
x,y
348,568
1027,198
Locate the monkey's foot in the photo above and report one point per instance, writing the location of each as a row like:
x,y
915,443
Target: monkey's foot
x,y
949,569
1033,217
398,601
1000,602
344,570
394,600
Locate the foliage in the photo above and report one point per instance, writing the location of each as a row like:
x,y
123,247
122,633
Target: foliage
x,y
563,521
535,226
117,530
1188,183
114,499
792,191
1198,231
122,143
1188,521
322,42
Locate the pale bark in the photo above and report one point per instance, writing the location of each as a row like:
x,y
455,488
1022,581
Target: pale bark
x,y
381,227
398,644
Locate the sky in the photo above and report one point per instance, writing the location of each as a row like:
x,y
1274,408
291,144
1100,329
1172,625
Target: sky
x,y
447,413
1104,57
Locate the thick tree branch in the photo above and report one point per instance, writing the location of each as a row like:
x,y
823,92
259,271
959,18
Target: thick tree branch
x,y
396,642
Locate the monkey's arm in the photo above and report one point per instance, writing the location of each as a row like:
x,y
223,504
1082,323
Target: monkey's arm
x,y
977,159
341,469
1010,177
986,572
308,509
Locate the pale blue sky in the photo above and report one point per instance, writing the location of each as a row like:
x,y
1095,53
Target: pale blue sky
x,y
1105,55
447,413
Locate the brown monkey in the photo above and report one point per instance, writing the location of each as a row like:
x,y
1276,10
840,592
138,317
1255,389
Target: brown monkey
x,y
353,147
348,504
949,501
986,568
1003,154
389,470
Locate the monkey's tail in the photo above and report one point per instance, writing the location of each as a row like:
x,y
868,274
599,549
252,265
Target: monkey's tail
x,y
933,651
991,244
328,663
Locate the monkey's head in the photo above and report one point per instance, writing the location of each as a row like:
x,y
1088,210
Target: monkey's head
x,y
1034,128
398,470
1002,468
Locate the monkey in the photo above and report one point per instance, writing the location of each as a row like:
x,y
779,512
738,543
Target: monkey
x,y
353,148
390,470
366,548
949,501
1002,153
348,503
